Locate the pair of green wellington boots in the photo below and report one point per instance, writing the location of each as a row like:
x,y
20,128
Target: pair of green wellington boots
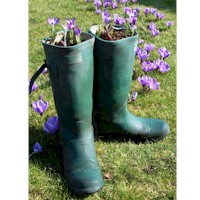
x,y
82,84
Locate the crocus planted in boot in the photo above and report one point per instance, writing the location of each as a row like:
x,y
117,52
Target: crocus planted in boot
x,y
53,22
117,27
119,20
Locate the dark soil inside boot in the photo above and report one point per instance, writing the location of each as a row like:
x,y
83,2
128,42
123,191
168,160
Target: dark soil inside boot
x,y
116,35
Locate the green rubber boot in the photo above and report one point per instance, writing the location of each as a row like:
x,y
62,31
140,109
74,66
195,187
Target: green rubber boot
x,y
71,75
112,82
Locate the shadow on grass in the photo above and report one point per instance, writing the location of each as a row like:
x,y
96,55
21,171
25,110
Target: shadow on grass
x,y
169,5
115,137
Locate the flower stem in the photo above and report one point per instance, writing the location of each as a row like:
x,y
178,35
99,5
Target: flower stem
x,y
53,30
31,154
65,38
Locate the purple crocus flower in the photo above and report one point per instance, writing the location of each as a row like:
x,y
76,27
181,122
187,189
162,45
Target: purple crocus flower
x,y
106,17
134,96
140,41
168,23
163,52
51,126
53,21
77,30
132,21
98,11
118,1
40,106
71,23
142,55
37,148
157,63
65,27
114,5
127,10
152,26
138,9
130,12
149,47
44,71
138,49
97,3
119,20
106,4
124,1
164,67
159,15
34,86
134,1
147,66
146,10
153,10
155,32
153,84
143,80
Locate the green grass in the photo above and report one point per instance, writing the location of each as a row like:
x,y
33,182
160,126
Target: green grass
x,y
138,171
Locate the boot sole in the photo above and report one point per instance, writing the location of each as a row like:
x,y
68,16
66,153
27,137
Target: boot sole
x,y
85,191
135,138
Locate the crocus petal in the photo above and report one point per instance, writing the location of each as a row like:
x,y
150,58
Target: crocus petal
x,y
49,128
37,148
134,96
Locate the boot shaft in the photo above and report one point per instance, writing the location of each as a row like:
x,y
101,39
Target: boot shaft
x,y
71,76
114,62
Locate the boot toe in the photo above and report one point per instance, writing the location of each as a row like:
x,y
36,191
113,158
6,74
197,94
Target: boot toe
x,y
159,129
85,180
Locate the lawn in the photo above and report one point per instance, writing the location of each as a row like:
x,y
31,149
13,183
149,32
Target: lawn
x,y
131,171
